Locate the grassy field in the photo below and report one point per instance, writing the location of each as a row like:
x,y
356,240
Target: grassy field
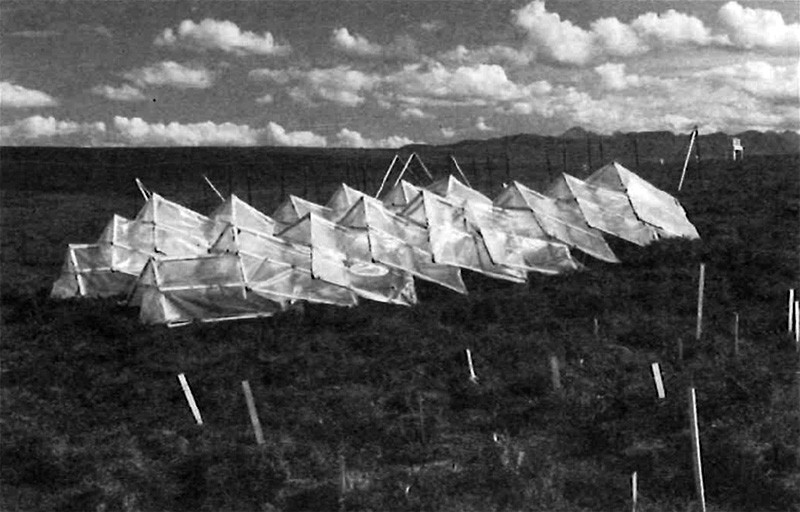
x,y
93,417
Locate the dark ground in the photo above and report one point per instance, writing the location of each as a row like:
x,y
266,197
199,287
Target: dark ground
x,y
93,417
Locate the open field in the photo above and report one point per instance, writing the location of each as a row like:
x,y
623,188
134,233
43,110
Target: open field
x,y
93,417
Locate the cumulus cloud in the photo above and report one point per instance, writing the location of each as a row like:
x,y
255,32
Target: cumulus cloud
x,y
169,73
437,85
211,34
353,139
277,135
415,113
760,79
125,92
758,28
495,54
447,133
48,130
353,44
342,85
481,125
17,96
137,132
265,99
562,42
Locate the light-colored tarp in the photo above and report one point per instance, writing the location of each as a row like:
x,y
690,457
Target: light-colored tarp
x,y
208,288
342,200
400,196
561,219
341,255
238,213
513,238
295,208
292,279
608,210
108,267
170,215
652,205
400,243
453,239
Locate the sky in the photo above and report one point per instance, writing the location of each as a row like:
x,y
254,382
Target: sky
x,y
386,73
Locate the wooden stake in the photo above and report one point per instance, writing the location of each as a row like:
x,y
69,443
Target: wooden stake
x,y
791,309
472,377
698,464
700,289
251,408
736,334
797,324
634,490
555,373
190,398
657,378
596,329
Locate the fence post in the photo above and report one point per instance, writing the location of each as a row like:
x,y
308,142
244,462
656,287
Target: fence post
x,y
190,398
251,408
700,289
696,460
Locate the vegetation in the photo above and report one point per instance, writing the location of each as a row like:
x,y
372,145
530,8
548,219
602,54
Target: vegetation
x,y
93,417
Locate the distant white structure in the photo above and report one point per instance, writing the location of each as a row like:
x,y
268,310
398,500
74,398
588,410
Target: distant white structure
x,y
738,149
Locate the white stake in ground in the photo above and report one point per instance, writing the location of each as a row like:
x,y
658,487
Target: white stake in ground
x,y
698,464
472,376
634,490
190,398
555,371
251,408
791,309
736,334
700,288
657,378
797,323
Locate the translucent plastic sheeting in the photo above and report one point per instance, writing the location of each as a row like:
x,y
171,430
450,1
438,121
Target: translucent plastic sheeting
x,y
238,213
652,205
88,271
292,279
560,219
513,238
608,210
295,208
107,268
170,215
215,287
400,196
458,192
453,240
400,243
343,199
341,255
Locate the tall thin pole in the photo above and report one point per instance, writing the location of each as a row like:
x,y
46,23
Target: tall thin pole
x,y
791,309
696,460
686,162
700,289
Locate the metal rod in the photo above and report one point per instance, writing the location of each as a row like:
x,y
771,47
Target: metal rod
x,y
386,175
686,162
460,172
213,188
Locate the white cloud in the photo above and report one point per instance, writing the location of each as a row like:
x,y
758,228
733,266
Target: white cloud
x,y
557,40
415,113
495,54
436,85
431,26
123,93
758,28
172,74
481,125
265,99
137,132
353,139
447,133
341,85
354,44
760,79
46,130
562,42
612,76
226,36
672,28
278,136
16,96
